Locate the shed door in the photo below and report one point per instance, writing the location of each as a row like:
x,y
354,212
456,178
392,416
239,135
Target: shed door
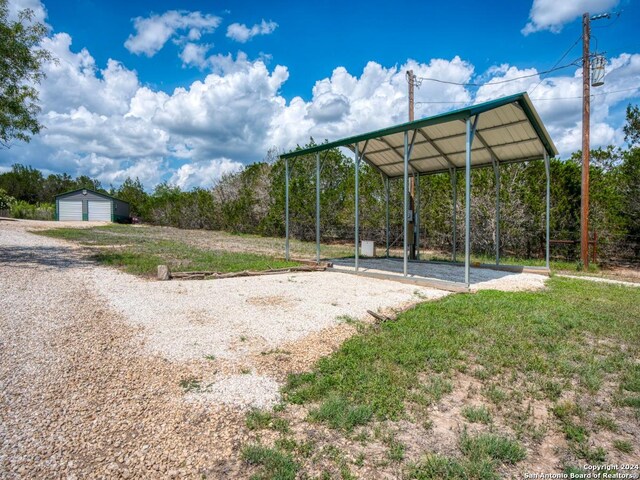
x,y
70,210
100,211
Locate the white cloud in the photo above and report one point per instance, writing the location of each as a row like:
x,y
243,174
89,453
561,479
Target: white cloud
x,y
203,174
154,31
553,14
346,104
558,100
38,9
194,54
241,33
101,121
73,81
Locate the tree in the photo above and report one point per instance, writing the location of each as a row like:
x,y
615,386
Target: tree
x,y
83,181
632,128
23,183
5,200
133,192
21,61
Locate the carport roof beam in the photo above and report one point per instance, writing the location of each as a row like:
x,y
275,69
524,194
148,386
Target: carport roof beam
x,y
509,131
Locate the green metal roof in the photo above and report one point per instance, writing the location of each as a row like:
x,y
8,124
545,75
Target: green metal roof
x,y
105,195
509,130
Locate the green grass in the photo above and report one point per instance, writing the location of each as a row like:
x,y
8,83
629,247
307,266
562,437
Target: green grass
x,y
608,423
493,447
624,446
190,384
479,414
631,402
276,465
631,379
124,247
340,414
513,335
556,265
482,454
260,419
436,467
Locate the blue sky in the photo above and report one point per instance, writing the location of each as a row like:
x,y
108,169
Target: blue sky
x,y
185,92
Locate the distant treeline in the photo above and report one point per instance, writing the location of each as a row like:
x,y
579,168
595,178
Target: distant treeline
x,y
252,201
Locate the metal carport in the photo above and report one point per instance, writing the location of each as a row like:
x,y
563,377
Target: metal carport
x,y
501,131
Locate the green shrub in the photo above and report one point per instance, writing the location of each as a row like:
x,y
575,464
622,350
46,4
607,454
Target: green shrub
x,y
26,210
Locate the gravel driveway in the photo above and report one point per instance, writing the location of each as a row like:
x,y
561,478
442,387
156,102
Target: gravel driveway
x,y
93,362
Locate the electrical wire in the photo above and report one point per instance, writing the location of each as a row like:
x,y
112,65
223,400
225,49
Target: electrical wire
x,y
556,64
438,80
543,99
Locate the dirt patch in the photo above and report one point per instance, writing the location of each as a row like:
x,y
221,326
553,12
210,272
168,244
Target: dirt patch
x,y
300,356
271,301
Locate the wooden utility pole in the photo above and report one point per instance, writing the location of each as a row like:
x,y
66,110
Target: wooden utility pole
x,y
586,105
411,83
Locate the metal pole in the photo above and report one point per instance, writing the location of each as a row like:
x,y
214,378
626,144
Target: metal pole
x,y
411,79
286,208
496,171
386,187
357,208
584,207
547,169
406,204
318,207
454,183
417,222
467,206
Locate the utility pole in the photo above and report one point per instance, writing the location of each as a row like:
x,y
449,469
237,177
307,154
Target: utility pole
x,y
411,81
586,105
586,115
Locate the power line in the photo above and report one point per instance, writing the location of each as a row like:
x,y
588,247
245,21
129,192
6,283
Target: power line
x,y
542,99
556,64
438,80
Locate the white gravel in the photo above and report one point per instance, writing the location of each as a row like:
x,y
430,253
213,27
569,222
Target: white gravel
x,y
78,396
245,391
234,317
481,278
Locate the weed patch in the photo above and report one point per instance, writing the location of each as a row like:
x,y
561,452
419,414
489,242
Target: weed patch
x,y
275,464
436,467
190,384
623,446
340,414
493,447
141,254
479,414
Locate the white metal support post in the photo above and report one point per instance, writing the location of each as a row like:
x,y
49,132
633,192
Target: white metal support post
x,y
454,186
318,207
386,190
286,208
547,169
417,220
496,171
467,207
357,207
405,202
